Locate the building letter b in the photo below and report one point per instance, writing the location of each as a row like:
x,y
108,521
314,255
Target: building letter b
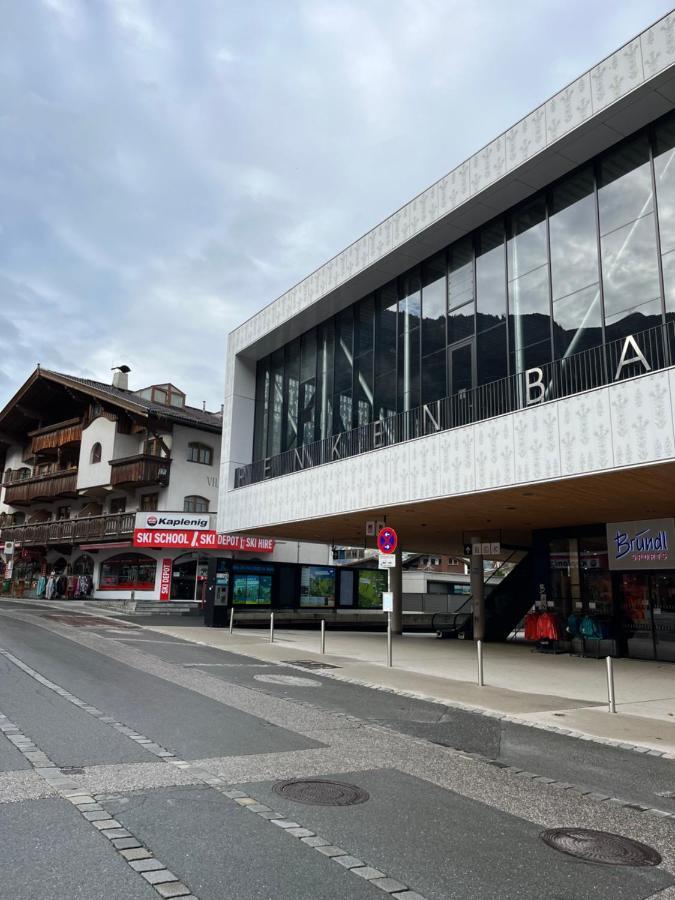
x,y
534,379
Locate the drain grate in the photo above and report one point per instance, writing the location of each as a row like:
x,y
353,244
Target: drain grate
x,y
72,770
600,847
318,792
309,664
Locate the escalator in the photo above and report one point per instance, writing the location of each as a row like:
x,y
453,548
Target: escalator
x,y
507,599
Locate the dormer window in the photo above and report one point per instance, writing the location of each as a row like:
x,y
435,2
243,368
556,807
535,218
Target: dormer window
x,y
165,394
200,453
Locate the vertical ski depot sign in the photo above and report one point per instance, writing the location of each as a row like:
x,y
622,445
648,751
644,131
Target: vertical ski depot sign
x,y
188,531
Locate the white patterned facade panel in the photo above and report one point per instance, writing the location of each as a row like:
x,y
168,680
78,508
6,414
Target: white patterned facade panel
x,y
568,109
617,75
585,433
457,462
494,453
642,419
454,189
526,139
488,165
536,443
658,46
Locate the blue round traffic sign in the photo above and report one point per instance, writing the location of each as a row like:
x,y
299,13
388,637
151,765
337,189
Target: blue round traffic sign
x,y
387,540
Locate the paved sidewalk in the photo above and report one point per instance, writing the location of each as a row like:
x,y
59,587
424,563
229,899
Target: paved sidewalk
x,y
562,691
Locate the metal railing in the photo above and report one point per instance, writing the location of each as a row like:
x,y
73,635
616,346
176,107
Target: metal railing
x,y
68,531
605,364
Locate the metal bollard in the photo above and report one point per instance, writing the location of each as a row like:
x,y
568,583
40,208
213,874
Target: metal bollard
x,y
611,702
323,635
231,619
479,649
389,650
271,628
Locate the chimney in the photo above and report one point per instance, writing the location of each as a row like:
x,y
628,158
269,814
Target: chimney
x,y
120,377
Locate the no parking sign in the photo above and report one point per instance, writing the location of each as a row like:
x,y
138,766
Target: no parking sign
x,y
387,540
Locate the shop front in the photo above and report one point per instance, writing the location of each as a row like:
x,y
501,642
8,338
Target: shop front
x,y
610,589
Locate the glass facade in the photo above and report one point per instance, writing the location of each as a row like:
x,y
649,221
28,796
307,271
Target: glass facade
x,y
584,262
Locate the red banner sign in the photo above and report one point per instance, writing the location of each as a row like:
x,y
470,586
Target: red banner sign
x,y
155,538
165,580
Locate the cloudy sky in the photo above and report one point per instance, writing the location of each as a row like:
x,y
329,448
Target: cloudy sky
x,y
167,167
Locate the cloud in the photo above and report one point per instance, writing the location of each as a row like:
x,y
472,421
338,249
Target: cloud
x,y
167,169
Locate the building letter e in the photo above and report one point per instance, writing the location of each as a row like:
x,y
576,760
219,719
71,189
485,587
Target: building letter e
x,y
534,379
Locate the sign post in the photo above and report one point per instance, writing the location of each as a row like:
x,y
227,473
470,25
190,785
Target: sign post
x,y
387,543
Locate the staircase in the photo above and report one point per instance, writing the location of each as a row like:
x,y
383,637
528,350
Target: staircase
x,y
172,608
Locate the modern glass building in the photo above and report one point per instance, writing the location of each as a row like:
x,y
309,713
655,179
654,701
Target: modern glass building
x,y
494,366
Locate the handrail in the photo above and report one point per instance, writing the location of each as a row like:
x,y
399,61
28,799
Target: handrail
x,y
563,377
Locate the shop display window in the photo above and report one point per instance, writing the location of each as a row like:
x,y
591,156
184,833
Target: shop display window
x,y
372,582
252,590
317,586
128,572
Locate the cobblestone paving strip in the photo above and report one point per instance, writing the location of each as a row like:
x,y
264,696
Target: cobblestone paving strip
x,y
142,861
147,866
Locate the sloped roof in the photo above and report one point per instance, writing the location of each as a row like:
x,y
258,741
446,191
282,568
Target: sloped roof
x,y
184,415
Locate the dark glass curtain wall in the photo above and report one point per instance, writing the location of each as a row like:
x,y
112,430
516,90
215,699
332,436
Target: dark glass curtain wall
x,y
586,261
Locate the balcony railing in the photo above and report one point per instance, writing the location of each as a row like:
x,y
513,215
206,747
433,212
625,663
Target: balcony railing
x,y
54,436
616,361
71,531
50,485
140,470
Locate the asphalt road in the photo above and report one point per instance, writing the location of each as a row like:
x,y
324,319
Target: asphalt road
x,y
133,765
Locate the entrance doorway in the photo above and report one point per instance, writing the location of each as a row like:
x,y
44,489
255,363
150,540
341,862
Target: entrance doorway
x,y
648,613
185,570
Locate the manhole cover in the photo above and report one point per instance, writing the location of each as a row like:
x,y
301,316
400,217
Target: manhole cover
x,y
310,664
600,847
321,793
296,680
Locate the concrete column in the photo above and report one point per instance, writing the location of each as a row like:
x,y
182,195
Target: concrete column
x,y
396,587
477,592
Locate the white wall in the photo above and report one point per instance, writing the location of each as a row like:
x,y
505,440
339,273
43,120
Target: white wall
x,y
189,478
629,423
13,460
102,431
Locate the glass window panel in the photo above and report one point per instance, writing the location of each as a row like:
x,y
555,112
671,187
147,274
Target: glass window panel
x,y
491,355
434,377
364,389
342,411
461,288
365,315
629,266
573,234
410,302
633,321
385,395
262,389
308,355
527,241
292,387
625,185
577,322
344,359
276,404
490,277
433,304
307,411
460,323
669,281
664,172
460,365
385,329
325,380
529,319
409,369
529,357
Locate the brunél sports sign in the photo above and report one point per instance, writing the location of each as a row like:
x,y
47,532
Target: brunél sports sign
x,y
191,531
647,544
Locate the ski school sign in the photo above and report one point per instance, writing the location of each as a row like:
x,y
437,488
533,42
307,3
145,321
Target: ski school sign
x,y
183,539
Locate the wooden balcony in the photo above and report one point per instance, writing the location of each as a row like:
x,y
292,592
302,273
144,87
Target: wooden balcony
x,y
53,437
52,485
141,470
71,531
